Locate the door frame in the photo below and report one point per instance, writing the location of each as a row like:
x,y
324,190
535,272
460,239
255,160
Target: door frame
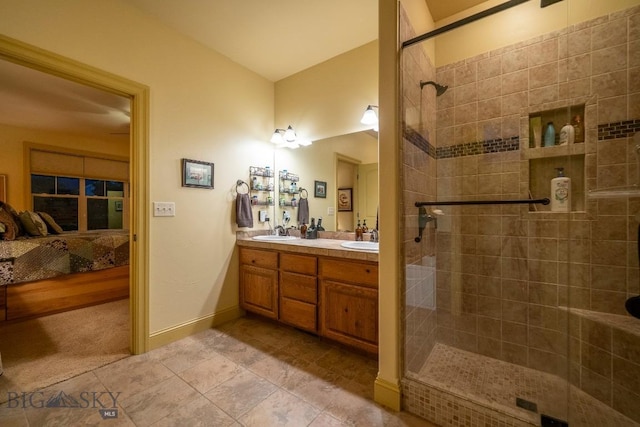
x,y
33,57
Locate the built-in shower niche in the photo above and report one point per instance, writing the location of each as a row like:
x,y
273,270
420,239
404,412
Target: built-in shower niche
x,y
544,162
543,170
557,118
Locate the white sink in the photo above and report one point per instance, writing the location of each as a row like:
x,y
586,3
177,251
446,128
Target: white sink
x,y
271,237
365,246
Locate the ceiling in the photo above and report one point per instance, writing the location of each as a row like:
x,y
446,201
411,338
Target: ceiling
x,y
273,38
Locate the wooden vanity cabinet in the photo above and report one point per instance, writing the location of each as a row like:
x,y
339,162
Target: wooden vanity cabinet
x,y
334,298
299,291
259,282
349,302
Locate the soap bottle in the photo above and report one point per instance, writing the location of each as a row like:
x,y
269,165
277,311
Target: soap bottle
x,y
303,231
561,192
567,134
359,236
365,229
578,127
550,135
319,227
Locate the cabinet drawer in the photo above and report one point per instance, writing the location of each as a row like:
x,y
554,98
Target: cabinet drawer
x,y
350,271
299,314
299,287
299,264
259,258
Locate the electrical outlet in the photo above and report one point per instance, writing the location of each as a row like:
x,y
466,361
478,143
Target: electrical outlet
x,y
164,209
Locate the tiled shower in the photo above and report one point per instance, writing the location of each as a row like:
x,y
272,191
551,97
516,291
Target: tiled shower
x,y
513,313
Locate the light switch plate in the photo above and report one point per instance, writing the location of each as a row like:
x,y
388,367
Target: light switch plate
x,y
164,209
331,210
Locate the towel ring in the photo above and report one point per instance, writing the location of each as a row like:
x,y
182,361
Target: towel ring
x,y
306,193
239,184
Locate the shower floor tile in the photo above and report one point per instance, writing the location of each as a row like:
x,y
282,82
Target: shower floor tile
x,y
497,384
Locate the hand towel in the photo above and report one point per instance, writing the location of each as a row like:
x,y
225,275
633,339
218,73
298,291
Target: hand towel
x,y
303,211
244,214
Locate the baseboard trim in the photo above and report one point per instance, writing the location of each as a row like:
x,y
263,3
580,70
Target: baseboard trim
x,y
387,394
175,333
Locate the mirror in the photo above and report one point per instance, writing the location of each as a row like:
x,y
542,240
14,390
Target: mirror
x,y
345,162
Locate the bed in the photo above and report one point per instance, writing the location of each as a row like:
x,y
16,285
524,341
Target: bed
x,y
59,272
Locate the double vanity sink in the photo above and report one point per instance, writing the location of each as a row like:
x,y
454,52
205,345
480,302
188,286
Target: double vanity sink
x,y
349,244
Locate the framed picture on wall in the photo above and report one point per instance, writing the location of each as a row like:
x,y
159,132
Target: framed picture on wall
x,y
345,199
320,189
197,174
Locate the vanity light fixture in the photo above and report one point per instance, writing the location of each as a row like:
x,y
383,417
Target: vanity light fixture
x,y
370,118
287,138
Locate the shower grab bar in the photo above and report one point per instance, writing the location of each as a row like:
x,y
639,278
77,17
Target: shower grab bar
x,y
544,201
424,218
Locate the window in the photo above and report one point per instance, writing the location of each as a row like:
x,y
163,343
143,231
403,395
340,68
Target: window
x,y
81,203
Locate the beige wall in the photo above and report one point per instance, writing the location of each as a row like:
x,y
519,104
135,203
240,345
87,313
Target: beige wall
x,y
12,140
203,106
328,99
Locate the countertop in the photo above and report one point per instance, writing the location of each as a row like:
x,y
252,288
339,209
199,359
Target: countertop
x,y
321,246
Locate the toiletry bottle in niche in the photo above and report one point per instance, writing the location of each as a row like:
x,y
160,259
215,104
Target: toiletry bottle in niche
x,y
567,134
578,127
549,135
561,192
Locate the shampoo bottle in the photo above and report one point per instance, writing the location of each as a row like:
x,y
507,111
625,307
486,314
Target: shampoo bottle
x,y
561,192
550,135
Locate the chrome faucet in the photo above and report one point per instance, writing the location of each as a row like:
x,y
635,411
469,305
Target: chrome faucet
x,y
279,230
374,235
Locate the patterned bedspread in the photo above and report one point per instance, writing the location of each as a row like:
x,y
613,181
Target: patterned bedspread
x,y
36,258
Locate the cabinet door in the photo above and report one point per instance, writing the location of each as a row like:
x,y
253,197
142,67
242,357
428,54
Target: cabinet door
x,y
259,290
349,314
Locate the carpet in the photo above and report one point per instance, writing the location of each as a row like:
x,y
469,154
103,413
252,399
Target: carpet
x,y
37,353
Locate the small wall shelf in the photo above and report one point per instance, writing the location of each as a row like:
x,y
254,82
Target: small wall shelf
x,y
261,185
288,188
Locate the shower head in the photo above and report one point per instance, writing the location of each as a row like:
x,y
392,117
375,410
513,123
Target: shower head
x,y
440,89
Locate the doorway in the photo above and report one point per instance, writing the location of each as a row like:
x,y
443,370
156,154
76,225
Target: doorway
x,y
30,56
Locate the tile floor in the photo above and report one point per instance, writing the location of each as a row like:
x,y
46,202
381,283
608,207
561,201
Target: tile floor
x,y
249,372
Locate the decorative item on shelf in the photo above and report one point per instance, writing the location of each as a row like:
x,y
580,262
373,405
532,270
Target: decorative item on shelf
x,y
578,127
550,135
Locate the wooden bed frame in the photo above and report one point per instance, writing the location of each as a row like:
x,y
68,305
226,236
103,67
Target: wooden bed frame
x,y
33,299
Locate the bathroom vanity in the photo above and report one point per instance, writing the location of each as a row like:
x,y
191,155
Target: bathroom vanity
x,y
314,285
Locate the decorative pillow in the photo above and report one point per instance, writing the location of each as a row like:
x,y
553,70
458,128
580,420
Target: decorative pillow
x,y
11,227
52,225
33,224
16,217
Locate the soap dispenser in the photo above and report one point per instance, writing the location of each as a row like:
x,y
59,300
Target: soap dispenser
x,y
560,192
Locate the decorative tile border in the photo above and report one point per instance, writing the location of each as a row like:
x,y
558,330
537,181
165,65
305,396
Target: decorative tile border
x,y
460,150
617,130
